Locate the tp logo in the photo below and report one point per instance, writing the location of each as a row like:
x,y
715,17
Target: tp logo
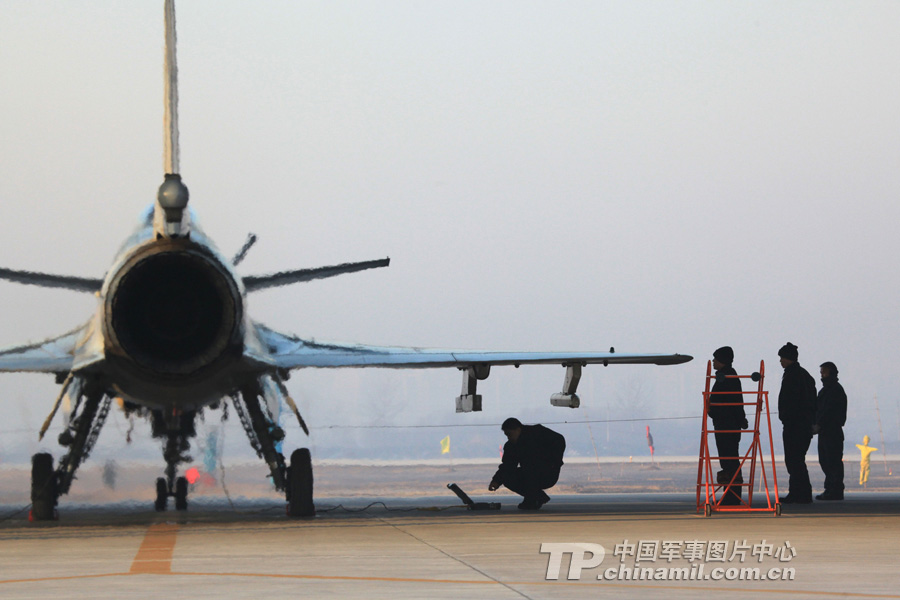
x,y
578,560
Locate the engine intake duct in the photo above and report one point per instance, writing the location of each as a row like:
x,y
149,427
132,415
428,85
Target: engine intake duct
x,y
173,309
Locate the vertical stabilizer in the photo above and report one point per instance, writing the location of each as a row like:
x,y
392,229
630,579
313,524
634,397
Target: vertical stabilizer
x,y
170,219
171,157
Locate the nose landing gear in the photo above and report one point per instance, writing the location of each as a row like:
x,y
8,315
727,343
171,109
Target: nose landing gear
x,y
164,490
176,428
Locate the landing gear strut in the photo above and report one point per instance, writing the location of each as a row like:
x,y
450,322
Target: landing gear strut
x,y
262,432
177,428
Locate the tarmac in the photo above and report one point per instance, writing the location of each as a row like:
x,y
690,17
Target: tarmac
x,y
434,548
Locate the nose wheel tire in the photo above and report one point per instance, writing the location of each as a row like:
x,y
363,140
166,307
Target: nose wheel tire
x,y
162,494
181,492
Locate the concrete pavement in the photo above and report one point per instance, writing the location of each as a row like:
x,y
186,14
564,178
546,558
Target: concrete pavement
x,y
835,549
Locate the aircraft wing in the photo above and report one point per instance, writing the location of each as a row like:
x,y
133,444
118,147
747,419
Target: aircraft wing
x,y
260,282
291,352
56,355
79,284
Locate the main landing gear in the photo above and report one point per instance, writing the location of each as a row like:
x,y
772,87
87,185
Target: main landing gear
x,y
264,434
91,407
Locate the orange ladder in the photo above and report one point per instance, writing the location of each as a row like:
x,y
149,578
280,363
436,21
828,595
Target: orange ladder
x,y
710,493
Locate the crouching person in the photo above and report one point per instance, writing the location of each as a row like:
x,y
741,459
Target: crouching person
x,y
531,462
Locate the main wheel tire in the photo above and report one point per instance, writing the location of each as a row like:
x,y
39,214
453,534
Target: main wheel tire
x,y
43,488
181,492
300,485
162,494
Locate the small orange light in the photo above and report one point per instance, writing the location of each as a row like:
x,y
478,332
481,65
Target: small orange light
x,y
192,475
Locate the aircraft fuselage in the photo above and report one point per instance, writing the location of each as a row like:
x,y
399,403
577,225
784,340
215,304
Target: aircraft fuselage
x,y
172,322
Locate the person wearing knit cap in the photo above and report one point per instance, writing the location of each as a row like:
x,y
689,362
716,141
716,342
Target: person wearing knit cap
x,y
831,414
797,412
727,413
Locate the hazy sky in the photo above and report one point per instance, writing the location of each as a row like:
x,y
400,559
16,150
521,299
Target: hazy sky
x,y
654,176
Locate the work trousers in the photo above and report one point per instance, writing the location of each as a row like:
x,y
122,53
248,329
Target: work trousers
x,y
728,445
531,481
831,459
796,438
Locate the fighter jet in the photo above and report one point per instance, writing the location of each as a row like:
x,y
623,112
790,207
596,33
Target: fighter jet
x,y
171,337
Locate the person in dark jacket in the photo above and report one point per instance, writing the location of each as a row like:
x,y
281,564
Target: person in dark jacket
x,y
831,414
726,419
797,411
531,462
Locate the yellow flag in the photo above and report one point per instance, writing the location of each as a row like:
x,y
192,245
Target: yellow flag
x,y
445,445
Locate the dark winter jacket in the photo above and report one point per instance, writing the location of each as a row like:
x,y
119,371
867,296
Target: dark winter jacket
x,y
537,448
831,405
797,398
727,390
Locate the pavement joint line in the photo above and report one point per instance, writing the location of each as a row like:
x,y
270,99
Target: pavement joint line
x,y
457,559
490,581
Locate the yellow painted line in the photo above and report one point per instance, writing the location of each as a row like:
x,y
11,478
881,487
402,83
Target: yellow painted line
x,y
63,578
155,554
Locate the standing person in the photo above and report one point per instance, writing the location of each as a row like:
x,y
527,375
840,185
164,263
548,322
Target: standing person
x,y
865,450
730,417
797,412
831,414
531,462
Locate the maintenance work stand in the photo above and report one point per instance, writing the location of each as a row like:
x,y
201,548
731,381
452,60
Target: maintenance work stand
x,y
712,488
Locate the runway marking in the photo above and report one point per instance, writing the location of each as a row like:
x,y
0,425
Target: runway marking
x,y
362,579
155,554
